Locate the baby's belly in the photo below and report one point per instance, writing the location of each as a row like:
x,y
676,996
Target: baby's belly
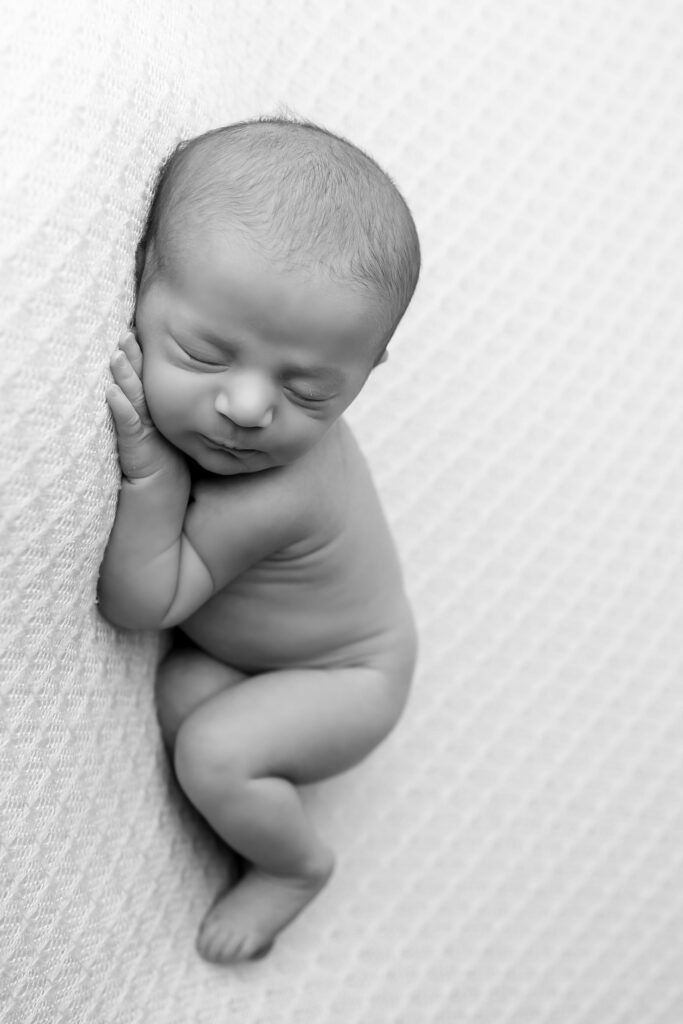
x,y
282,628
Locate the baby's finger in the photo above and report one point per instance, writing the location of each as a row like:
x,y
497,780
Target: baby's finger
x,y
129,344
129,382
125,416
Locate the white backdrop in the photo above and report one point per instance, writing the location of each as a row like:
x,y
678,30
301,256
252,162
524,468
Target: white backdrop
x,y
513,853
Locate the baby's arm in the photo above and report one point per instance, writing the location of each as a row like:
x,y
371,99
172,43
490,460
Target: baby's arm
x,y
147,553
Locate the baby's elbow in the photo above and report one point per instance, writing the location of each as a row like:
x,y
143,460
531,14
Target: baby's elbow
x,y
123,615
113,615
131,622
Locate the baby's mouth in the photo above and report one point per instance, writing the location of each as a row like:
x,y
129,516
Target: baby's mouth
x,y
232,449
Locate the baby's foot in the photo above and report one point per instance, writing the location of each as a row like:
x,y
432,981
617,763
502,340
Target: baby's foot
x,y
243,923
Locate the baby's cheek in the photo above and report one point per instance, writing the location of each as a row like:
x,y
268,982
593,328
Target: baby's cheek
x,y
297,435
164,398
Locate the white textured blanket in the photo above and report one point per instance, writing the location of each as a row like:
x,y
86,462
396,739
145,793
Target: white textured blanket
x,y
513,853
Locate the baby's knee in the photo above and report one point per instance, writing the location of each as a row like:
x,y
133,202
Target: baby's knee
x,y
185,680
204,758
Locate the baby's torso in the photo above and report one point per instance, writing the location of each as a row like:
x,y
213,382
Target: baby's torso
x,y
334,597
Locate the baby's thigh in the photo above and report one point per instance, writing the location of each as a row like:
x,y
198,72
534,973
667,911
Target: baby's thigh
x,y
186,678
301,724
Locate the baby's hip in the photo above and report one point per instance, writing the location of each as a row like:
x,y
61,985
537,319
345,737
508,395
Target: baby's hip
x,y
262,642
389,649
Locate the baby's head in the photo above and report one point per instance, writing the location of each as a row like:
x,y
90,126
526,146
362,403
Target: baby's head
x,y
310,200
270,232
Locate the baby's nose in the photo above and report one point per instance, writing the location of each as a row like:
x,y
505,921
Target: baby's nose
x,y
246,399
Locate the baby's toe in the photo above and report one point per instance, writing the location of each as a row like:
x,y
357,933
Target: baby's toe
x,y
215,946
222,945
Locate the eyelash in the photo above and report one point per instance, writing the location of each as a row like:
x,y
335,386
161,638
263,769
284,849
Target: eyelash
x,y
297,395
309,399
203,362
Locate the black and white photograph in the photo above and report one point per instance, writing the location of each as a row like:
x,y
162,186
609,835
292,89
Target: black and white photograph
x,y
341,512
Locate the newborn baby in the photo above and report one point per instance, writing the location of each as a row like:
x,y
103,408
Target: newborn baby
x,y
277,262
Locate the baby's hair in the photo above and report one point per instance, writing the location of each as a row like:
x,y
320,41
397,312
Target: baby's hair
x,y
306,196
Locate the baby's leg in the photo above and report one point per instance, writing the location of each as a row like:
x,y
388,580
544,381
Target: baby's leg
x,y
238,757
185,679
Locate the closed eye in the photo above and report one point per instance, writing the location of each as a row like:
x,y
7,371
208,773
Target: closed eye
x,y
205,362
185,348
202,360
307,397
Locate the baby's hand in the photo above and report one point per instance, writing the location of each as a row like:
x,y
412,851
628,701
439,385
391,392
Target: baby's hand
x,y
143,452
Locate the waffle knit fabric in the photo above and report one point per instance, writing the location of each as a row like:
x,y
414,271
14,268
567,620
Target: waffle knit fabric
x,y
512,854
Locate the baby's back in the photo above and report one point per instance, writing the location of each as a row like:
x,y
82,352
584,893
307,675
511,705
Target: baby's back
x,y
333,596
